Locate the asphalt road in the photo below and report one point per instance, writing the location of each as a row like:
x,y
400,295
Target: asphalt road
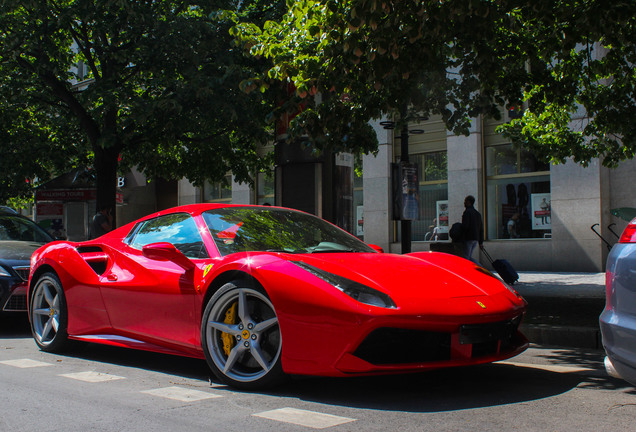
x,y
98,388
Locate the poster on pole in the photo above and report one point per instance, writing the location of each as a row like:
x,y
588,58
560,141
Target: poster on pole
x,y
541,211
360,221
410,191
405,191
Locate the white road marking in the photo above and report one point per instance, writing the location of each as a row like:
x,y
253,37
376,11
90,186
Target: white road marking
x,y
25,363
310,419
181,394
552,368
92,377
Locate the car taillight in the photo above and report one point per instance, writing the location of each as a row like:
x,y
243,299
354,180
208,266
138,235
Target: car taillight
x,y
629,235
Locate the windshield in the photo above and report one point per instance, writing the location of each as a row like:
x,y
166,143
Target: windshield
x,y
22,229
243,229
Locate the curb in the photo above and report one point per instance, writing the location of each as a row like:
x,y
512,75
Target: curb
x,y
563,336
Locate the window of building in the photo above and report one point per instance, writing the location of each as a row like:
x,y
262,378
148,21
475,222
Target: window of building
x,y
218,192
432,221
517,194
265,188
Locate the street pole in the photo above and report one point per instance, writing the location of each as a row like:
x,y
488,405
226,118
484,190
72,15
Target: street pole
x,y
405,225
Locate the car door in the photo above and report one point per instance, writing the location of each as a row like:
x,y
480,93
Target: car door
x,y
154,300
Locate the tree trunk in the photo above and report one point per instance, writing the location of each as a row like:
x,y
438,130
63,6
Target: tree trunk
x,y
106,161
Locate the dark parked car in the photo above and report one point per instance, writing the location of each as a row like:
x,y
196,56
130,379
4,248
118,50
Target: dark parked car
x,y
618,320
19,238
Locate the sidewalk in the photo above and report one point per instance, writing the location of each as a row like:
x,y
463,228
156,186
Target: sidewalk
x,y
563,308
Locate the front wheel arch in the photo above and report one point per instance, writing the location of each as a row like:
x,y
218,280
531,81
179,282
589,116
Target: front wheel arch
x,y
222,279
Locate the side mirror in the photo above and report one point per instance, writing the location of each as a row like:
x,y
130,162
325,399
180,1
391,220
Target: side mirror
x,y
376,248
164,251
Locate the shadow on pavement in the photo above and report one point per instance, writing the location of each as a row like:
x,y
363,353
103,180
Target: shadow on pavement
x,y
559,311
185,367
435,391
14,325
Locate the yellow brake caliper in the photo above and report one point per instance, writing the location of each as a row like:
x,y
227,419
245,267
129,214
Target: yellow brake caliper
x,y
228,339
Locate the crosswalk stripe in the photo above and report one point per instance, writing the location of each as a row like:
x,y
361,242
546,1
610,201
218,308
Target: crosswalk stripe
x,y
552,368
25,363
92,377
181,394
305,418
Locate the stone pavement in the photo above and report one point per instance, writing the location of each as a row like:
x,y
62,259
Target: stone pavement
x,y
563,308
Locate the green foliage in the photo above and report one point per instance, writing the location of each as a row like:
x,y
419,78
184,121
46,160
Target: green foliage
x,y
458,59
159,88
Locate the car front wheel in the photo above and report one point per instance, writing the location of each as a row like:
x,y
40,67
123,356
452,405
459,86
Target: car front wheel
x,y
241,337
48,314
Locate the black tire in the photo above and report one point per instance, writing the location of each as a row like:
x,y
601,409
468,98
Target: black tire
x,y
48,314
241,337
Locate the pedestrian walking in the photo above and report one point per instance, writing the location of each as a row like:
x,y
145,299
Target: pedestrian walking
x,y
472,229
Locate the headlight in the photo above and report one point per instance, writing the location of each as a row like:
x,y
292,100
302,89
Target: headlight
x,y
355,290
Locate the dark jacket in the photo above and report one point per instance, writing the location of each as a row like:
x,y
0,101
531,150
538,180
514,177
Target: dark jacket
x,y
471,225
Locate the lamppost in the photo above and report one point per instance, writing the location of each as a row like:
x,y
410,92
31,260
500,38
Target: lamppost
x,y
405,223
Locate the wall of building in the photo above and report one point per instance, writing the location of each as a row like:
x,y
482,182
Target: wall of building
x,y
378,227
581,197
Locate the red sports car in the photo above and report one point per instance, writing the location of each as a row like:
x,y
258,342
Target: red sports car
x,y
261,292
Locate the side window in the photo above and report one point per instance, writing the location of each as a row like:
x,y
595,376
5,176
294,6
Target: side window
x,y
178,229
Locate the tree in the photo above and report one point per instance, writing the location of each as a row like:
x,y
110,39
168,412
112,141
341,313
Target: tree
x,y
458,59
26,131
146,83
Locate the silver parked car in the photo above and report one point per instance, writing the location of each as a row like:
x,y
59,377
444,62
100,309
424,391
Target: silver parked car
x,y
618,320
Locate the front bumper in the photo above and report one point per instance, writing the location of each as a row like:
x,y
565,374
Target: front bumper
x,y
382,345
394,349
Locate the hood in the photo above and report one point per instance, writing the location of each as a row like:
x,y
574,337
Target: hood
x,y
408,278
12,250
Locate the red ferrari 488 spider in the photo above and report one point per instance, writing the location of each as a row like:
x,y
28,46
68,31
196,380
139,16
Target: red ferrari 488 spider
x,y
262,292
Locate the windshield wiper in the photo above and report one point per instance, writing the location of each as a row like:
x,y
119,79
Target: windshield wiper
x,y
284,251
334,251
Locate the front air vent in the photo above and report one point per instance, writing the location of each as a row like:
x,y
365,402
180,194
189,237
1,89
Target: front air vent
x,y
23,272
16,303
88,249
401,346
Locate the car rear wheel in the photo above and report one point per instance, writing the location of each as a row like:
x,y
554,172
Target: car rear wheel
x,y
241,337
48,314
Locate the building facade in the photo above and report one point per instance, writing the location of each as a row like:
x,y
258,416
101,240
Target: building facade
x,y
555,209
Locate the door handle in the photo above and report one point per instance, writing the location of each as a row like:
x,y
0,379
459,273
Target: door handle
x,y
111,277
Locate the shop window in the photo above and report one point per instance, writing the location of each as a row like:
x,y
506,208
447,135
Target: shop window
x,y
218,192
432,221
265,188
517,194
